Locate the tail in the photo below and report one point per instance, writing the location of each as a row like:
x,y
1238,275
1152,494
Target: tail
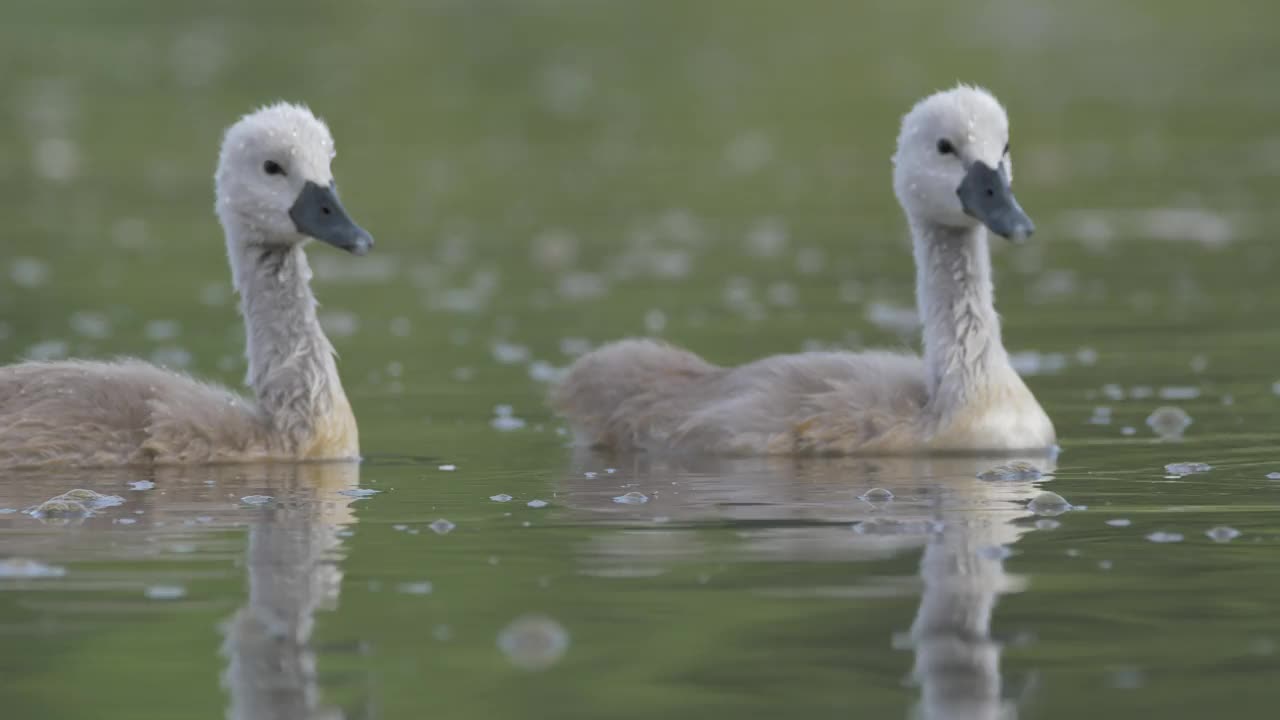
x,y
611,392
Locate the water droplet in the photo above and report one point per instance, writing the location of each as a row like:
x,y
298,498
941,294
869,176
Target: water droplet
x,y
256,499
1165,537
1222,534
501,497
415,588
1168,422
1119,522
537,503
632,498
165,592
533,642
1018,470
1187,468
24,568
448,468
876,495
442,527
359,492
1048,503
141,485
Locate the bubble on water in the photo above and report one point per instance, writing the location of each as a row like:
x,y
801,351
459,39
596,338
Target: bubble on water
x,y
1047,524
655,321
894,318
506,423
501,497
509,353
1032,362
160,330
632,498
400,326
129,233
533,642
165,592
575,346
423,587
782,294
810,260
125,521
141,485
28,272
767,238
1128,430
581,286
1017,470
1273,476
25,568
1125,678
749,152
442,527
1048,503
565,86
48,350
589,474
448,468
359,492
256,499
545,372
1169,422
1222,534
537,503
56,159
1101,416
1161,536
1119,522
554,249
339,323
171,356
897,526
78,503
876,495
93,325
1179,392
1183,469
215,294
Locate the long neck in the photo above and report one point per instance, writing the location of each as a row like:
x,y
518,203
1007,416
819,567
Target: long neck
x,y
962,347
291,366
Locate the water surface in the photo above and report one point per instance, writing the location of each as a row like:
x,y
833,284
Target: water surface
x,y
545,176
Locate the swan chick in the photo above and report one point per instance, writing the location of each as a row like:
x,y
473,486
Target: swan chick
x,y
275,192
952,175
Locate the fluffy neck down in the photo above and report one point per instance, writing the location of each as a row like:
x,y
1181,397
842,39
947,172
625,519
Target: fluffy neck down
x,y
291,363
963,352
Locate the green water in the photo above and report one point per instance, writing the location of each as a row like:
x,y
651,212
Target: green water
x,y
540,175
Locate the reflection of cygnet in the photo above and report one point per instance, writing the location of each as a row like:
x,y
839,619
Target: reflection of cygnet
x,y
951,174
271,668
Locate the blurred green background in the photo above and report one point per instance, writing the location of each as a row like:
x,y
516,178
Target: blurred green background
x,y
543,175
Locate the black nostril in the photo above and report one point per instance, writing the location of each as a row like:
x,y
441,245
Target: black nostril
x,y
325,208
990,193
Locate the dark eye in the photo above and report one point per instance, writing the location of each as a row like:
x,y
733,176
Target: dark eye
x,y
271,167
1006,148
945,147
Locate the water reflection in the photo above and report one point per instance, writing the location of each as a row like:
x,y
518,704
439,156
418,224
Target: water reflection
x,y
291,563
820,510
290,559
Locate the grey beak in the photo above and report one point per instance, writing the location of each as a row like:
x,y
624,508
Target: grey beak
x,y
318,213
986,196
